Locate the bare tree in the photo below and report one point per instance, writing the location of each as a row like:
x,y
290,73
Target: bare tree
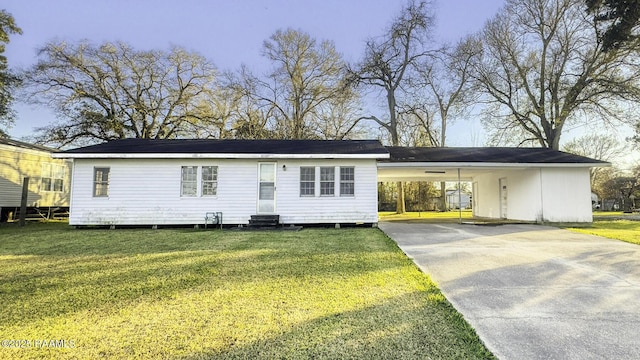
x,y
387,63
8,80
303,89
446,78
543,68
599,147
113,91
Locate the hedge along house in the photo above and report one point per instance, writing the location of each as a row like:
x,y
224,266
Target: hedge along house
x,y
527,184
177,182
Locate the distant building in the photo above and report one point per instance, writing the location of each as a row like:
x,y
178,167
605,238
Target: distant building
x,y
455,199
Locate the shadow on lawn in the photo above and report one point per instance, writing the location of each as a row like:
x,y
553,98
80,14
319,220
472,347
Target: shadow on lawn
x,y
60,281
417,325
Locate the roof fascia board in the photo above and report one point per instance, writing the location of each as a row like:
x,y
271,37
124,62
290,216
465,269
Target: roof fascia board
x,y
486,165
217,156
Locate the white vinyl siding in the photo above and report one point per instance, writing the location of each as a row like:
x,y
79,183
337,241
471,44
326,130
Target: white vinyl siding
x,y
157,200
327,181
347,181
307,181
101,181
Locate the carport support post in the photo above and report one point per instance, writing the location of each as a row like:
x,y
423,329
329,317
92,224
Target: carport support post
x,y
459,198
23,201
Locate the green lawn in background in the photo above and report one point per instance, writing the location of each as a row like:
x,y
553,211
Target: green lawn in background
x,y
192,294
625,230
445,216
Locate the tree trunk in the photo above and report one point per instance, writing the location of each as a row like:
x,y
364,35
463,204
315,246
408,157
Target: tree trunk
x,y
400,207
443,194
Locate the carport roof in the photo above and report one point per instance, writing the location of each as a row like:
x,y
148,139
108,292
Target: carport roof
x,y
494,155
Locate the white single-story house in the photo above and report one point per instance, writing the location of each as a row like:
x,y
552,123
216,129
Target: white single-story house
x,y
177,182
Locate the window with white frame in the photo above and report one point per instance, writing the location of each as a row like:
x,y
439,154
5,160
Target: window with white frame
x,y
52,177
307,181
101,181
189,183
209,180
327,181
347,181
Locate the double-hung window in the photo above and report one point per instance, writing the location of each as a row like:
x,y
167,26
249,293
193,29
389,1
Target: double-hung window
x,y
347,181
327,181
307,181
52,177
209,180
101,181
189,184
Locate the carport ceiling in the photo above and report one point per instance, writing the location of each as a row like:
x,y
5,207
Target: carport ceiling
x,y
427,172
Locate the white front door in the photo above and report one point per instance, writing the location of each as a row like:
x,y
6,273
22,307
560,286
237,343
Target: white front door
x,y
503,198
266,188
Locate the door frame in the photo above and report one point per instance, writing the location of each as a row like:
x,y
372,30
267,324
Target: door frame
x,y
275,177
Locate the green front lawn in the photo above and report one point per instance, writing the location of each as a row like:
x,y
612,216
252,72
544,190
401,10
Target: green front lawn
x,y
182,293
624,230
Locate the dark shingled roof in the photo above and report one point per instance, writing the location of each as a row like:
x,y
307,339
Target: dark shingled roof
x,y
208,146
485,155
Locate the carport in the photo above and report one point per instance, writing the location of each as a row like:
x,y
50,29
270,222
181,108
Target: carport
x,y
525,184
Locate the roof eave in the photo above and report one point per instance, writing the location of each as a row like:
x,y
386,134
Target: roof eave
x,y
215,156
394,164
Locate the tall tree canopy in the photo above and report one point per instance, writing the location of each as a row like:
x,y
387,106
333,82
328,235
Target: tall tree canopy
x,y
113,91
620,19
387,64
543,68
8,80
389,60
305,91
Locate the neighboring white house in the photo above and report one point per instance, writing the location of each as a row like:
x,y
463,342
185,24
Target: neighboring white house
x,y
528,184
455,197
161,182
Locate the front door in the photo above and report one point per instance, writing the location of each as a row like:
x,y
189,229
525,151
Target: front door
x,y
266,188
503,198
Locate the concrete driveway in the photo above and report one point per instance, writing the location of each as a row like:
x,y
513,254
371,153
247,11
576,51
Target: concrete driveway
x,y
534,292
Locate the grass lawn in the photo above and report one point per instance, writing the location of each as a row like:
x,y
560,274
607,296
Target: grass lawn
x,y
624,230
194,294
445,216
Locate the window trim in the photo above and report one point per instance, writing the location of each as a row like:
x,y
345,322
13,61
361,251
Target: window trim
x,y
102,182
194,181
55,173
331,182
312,181
214,181
351,181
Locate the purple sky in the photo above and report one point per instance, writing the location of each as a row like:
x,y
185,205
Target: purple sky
x,y
227,32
